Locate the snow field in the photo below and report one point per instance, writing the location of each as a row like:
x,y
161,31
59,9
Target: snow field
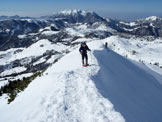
x,y
143,51
66,94
111,89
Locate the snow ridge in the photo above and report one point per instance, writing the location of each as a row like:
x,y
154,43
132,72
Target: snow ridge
x,y
68,92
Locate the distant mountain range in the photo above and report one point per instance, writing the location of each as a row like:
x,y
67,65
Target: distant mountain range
x,y
13,26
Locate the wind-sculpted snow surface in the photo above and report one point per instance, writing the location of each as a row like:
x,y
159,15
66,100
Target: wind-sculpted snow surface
x,y
68,92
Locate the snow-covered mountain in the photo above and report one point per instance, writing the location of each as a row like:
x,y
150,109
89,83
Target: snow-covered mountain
x,y
13,27
153,18
78,16
151,26
40,67
21,36
111,89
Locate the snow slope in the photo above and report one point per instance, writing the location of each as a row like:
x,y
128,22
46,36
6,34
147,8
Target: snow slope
x,y
144,51
134,91
37,49
13,70
68,92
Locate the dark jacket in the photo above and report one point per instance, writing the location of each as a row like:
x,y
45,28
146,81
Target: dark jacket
x,y
83,50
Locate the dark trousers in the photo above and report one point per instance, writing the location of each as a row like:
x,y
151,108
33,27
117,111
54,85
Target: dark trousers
x,y
84,57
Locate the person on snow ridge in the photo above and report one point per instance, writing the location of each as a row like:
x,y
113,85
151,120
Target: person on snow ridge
x,y
83,51
106,45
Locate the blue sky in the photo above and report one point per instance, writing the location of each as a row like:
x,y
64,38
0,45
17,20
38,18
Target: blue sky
x,y
116,9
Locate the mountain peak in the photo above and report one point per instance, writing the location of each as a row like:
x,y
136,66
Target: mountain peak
x,y
75,12
78,16
152,18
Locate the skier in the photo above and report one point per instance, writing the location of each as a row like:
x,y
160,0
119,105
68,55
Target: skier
x,y
83,51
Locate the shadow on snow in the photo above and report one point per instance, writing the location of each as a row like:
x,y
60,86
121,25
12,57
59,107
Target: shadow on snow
x,y
135,93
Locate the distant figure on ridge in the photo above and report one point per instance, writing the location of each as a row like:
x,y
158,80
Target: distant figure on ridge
x,y
106,44
83,50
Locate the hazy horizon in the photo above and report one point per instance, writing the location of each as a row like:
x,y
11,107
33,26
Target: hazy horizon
x,y
115,9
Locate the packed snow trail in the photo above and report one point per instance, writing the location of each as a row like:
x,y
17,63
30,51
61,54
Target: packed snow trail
x,y
133,91
68,92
